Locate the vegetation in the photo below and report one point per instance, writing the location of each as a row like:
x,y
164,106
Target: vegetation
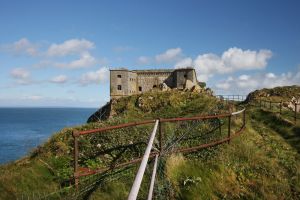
x,y
263,163
285,93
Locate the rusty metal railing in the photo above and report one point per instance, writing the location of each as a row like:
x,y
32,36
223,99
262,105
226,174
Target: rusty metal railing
x,y
232,97
81,171
271,104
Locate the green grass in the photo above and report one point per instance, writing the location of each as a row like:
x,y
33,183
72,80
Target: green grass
x,y
262,163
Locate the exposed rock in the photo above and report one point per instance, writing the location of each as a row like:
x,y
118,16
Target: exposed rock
x,y
140,102
164,87
196,89
209,91
103,113
292,105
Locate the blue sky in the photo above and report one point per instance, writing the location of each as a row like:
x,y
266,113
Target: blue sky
x,y
58,53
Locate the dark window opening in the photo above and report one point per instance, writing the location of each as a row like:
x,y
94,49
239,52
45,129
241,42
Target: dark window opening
x,y
119,76
140,88
154,86
185,76
119,87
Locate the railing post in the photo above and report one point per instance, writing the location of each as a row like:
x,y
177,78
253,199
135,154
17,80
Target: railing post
x,y
280,108
220,128
295,113
75,136
244,118
229,127
160,135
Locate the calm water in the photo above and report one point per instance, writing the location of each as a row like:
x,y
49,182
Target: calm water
x,y
22,129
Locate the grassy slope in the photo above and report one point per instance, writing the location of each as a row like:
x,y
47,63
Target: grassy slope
x,y
263,163
260,164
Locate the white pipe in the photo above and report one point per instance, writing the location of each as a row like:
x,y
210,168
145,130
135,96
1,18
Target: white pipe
x,y
139,176
153,179
238,112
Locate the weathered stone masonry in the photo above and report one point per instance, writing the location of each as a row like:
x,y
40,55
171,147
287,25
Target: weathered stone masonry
x,y
125,82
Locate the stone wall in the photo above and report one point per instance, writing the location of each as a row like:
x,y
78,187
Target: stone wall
x,y
149,80
124,82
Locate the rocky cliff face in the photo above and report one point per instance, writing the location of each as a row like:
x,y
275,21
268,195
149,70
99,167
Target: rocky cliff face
x,y
102,114
285,93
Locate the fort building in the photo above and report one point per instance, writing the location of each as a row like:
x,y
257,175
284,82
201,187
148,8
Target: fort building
x,y
124,82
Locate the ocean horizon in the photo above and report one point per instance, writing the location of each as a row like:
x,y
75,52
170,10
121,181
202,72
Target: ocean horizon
x,y
24,128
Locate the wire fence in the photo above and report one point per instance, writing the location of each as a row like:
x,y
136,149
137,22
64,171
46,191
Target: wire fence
x,y
121,147
291,109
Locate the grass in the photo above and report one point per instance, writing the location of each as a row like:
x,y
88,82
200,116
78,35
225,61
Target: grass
x,y
262,163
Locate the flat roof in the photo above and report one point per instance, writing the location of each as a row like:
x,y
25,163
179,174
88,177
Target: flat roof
x,y
153,70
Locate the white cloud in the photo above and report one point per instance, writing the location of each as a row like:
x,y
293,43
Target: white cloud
x,y
20,73
236,58
22,46
60,79
169,55
270,75
85,60
186,62
249,83
143,60
232,60
223,86
244,77
95,77
70,47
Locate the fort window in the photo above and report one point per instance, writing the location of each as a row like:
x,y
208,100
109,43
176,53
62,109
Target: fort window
x,y
185,76
119,87
119,76
154,86
140,88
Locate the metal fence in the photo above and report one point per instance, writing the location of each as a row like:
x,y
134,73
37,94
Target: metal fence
x,y
278,107
184,132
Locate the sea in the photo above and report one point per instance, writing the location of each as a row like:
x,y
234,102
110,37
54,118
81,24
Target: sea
x,y
22,129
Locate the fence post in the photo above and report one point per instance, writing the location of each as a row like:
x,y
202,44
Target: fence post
x,y
75,136
244,118
160,135
280,108
295,113
270,105
229,127
219,122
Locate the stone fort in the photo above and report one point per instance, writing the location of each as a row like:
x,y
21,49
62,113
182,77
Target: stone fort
x,y
124,82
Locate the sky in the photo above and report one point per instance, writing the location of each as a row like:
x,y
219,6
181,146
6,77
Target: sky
x,y
58,53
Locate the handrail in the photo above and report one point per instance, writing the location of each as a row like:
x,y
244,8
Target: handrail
x,y
238,112
139,176
79,172
116,127
153,178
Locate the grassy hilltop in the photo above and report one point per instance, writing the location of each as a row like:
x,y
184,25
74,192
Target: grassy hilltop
x,y
263,163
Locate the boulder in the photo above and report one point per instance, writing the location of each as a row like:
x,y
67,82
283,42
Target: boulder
x,y
196,89
292,106
164,87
